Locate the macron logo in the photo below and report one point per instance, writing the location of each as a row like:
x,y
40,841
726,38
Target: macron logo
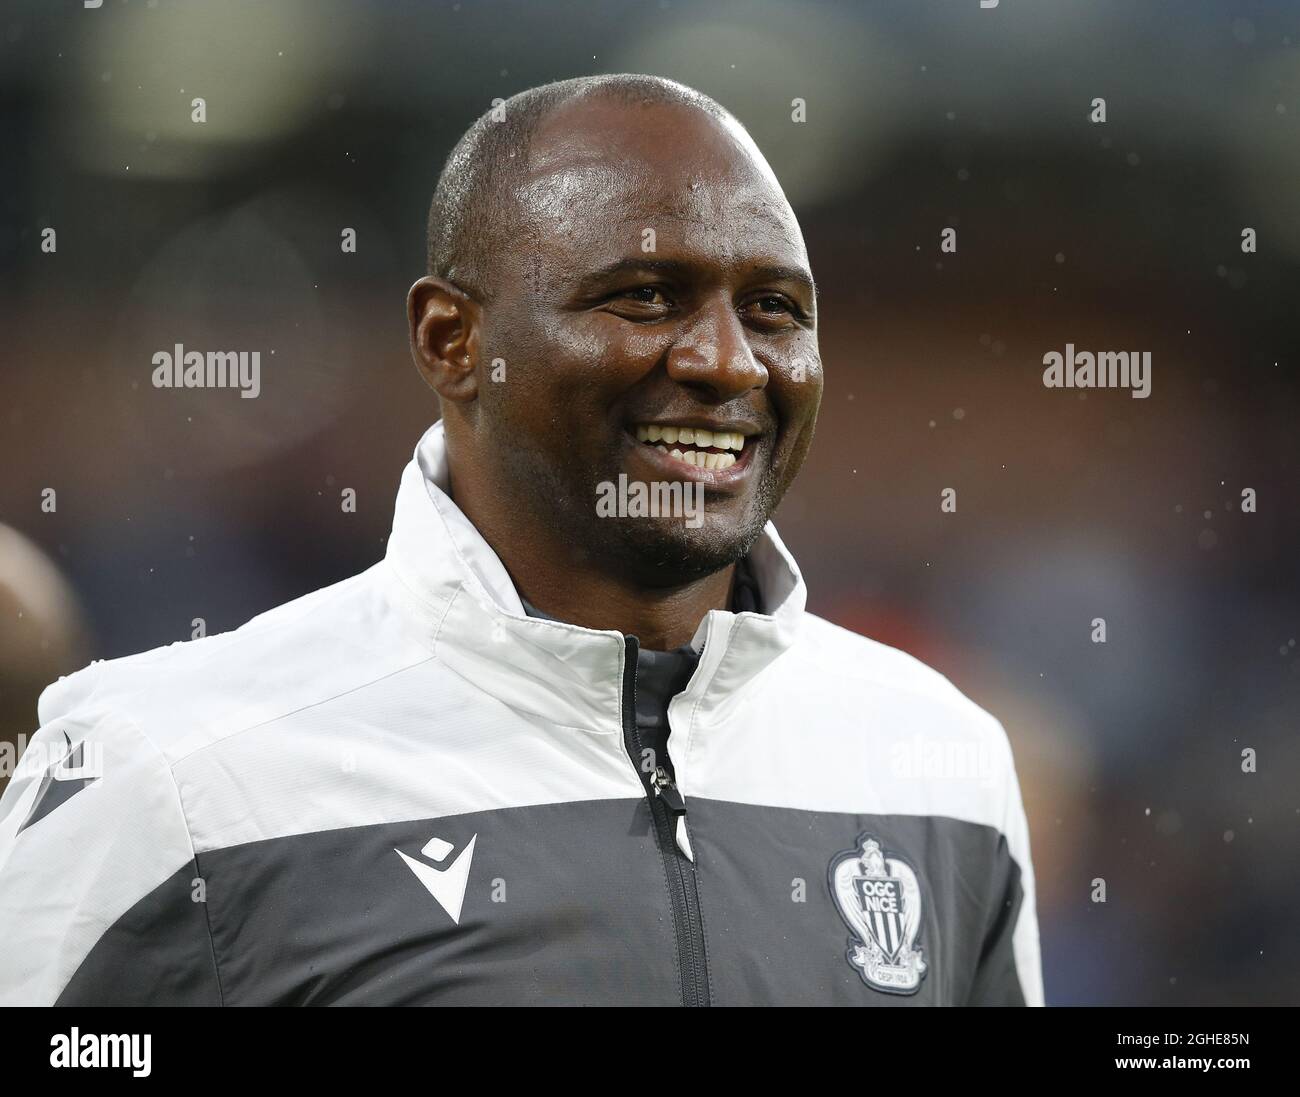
x,y
65,778
446,885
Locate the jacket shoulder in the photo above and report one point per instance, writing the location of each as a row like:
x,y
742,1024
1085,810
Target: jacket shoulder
x,y
849,662
190,693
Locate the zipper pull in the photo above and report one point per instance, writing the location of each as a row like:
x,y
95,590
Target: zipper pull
x,y
666,789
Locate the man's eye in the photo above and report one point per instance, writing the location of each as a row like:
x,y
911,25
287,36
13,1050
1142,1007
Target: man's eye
x,y
774,306
645,295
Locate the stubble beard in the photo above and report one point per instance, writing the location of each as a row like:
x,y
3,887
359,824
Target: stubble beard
x,y
650,552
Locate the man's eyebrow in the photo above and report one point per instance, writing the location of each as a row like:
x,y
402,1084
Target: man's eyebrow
x,y
635,265
679,269
785,274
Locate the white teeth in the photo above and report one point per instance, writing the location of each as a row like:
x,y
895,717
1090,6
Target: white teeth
x,y
691,436
699,459
679,436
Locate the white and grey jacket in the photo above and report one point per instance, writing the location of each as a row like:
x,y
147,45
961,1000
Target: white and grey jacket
x,y
404,789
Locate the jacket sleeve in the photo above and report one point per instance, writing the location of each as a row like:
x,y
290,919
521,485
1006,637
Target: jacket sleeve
x,y
1010,965
98,877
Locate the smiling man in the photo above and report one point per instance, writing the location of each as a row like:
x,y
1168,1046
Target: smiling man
x,y
546,751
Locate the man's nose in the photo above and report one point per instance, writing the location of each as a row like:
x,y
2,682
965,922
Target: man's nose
x,y
714,354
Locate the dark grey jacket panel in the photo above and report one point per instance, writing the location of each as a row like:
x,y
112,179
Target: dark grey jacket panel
x,y
158,953
775,934
565,904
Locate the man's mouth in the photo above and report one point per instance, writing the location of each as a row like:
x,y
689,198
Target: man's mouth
x,y
716,450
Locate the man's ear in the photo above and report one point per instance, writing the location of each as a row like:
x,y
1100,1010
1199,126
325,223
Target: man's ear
x,y
444,327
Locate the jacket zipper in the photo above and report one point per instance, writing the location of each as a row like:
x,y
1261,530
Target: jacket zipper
x,y
667,805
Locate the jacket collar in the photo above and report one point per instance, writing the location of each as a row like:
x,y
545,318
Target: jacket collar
x,y
569,675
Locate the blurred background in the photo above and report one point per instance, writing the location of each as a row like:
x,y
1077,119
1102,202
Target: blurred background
x,y
173,505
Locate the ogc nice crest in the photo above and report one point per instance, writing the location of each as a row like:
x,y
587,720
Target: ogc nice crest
x,y
880,901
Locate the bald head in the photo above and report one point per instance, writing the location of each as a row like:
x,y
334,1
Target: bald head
x,y
474,210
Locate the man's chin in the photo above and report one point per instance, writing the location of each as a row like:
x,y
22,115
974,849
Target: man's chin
x,y
663,552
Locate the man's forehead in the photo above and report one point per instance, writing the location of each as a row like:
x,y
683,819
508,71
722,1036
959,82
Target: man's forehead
x,y
600,163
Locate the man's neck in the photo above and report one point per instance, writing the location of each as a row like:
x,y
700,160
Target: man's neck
x,y
661,620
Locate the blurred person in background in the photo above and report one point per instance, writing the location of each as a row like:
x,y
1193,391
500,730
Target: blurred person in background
x,y
43,635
